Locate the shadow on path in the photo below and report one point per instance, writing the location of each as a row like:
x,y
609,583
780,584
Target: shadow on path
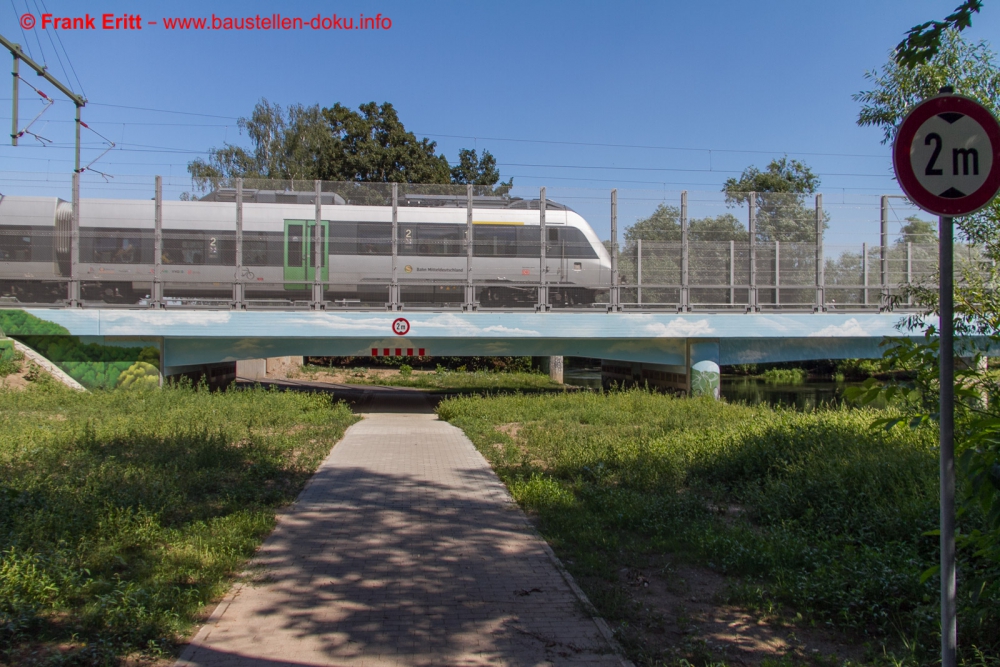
x,y
403,549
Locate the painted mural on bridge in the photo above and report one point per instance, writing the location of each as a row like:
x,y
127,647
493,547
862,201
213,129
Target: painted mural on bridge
x,y
94,365
192,337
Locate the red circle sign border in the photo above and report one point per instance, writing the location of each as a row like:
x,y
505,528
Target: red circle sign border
x,y
404,331
904,170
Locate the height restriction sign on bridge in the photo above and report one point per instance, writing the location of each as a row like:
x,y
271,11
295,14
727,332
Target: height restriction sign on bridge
x,y
946,155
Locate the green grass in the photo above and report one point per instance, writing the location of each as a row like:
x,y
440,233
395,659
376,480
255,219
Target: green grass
x,y
807,513
123,513
446,381
10,358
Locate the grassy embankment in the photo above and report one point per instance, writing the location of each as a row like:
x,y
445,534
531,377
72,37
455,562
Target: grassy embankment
x,y
123,513
814,519
441,380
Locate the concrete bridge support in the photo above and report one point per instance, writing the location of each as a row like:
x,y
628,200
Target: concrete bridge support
x,y
271,367
698,376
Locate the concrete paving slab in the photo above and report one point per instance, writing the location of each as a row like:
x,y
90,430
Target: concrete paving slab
x,y
404,549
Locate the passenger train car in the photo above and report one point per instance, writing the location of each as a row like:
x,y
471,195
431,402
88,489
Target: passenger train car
x,y
199,248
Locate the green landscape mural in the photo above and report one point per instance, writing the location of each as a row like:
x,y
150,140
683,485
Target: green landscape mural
x,y
93,365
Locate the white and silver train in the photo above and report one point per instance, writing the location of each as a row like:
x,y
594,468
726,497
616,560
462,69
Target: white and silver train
x,y
199,248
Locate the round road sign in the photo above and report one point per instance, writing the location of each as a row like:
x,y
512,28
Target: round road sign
x,y
947,155
400,326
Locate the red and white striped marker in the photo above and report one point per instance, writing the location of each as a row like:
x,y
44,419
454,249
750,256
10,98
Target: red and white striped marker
x,y
388,351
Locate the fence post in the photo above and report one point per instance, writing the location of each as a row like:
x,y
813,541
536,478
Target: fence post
x,y
157,295
820,267
543,269
752,289
909,272
638,269
685,283
777,273
470,291
317,288
732,273
394,304
74,244
615,296
864,272
238,303
884,256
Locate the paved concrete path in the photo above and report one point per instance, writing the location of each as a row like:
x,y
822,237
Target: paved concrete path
x,y
404,549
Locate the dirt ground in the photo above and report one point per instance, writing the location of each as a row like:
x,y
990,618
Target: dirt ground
x,y
349,375
686,617
21,379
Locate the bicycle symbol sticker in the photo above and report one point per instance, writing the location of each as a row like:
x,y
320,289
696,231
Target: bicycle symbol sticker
x,y
400,326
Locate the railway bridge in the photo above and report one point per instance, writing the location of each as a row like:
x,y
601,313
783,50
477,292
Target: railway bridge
x,y
677,351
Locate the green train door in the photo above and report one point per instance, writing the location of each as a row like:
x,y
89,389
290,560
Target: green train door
x,y
299,259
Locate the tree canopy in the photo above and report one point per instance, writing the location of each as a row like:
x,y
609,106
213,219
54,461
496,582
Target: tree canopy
x,y
918,231
972,70
664,225
779,193
923,41
339,144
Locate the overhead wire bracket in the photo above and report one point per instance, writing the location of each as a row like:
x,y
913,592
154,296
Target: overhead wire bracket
x,y
110,146
27,128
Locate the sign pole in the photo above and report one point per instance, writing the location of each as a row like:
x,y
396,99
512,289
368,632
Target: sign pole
x,y
946,156
946,367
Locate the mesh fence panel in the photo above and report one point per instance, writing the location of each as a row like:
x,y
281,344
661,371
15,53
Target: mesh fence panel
x,y
199,250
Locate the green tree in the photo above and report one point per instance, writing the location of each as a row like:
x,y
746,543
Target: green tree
x,y
475,170
918,231
663,225
720,228
779,193
338,144
922,42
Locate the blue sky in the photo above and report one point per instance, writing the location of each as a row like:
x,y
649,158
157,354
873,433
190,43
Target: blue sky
x,y
682,95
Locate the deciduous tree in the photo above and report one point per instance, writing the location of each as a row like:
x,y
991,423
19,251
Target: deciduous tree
x,y
339,144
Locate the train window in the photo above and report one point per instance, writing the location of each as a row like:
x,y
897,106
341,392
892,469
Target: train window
x,y
294,245
571,244
440,240
15,244
183,248
528,242
553,234
495,241
110,248
374,238
343,238
254,249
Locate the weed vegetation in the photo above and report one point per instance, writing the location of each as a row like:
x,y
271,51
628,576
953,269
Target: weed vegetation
x,y
816,519
123,513
784,376
441,380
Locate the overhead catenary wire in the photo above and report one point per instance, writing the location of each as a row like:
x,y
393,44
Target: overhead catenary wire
x,y
48,33
24,35
69,60
534,141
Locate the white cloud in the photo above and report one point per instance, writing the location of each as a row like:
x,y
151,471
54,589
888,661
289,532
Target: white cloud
x,y
849,329
165,318
679,328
